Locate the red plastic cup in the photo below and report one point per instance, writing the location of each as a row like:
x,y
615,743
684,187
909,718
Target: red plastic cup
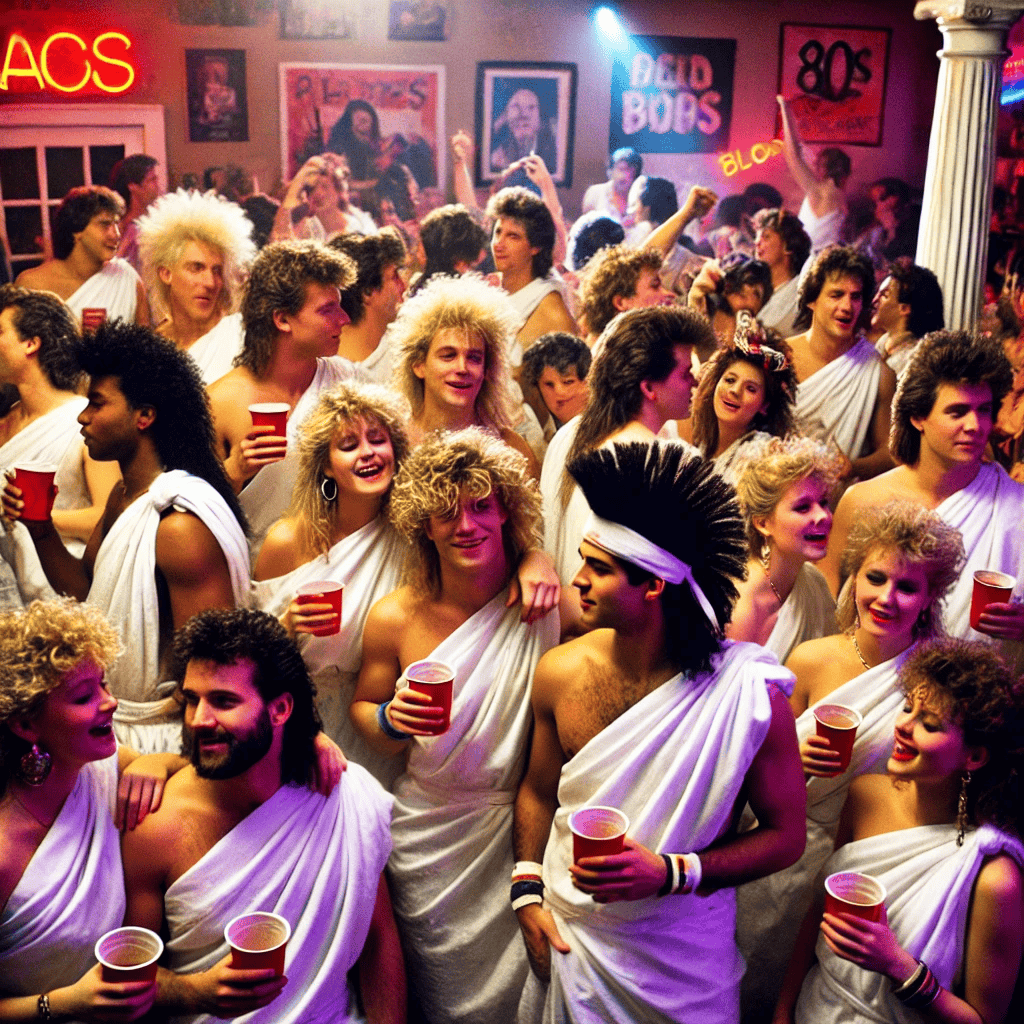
x,y
850,892
129,954
597,832
92,318
271,414
37,491
838,724
435,679
323,592
258,941
990,587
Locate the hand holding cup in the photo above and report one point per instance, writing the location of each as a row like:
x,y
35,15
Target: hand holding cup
x,y
819,757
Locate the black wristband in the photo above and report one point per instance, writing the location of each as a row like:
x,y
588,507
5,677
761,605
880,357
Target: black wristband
x,y
667,887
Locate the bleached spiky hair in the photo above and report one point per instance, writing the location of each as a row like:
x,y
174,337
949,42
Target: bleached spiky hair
x,y
180,217
466,303
449,466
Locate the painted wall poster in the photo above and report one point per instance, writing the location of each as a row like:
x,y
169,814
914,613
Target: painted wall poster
x,y
672,94
524,108
834,77
217,107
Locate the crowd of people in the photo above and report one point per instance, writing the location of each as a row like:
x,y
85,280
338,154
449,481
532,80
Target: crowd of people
x,y
653,487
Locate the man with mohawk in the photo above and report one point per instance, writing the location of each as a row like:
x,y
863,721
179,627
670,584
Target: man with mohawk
x,y
652,712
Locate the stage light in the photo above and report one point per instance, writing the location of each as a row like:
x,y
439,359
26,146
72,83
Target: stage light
x,y
608,24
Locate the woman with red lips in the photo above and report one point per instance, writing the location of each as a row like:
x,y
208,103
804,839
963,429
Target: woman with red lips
x,y
61,782
899,562
941,833
745,397
786,496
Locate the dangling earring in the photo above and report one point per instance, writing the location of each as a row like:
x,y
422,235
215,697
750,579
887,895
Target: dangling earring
x,y
333,489
924,621
35,766
961,809
766,557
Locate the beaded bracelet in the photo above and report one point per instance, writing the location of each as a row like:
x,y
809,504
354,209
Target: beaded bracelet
x,y
43,1007
386,727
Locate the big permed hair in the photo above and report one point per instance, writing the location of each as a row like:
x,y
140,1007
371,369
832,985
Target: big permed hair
x,y
968,682
679,503
795,240
449,235
231,637
613,273
779,391
132,170
39,645
277,283
944,357
559,350
917,535
837,261
522,205
765,479
79,207
920,289
180,217
152,371
450,466
339,408
466,303
45,316
372,255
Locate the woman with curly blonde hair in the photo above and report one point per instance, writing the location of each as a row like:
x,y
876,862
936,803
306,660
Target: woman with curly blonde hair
x,y
786,497
902,560
61,881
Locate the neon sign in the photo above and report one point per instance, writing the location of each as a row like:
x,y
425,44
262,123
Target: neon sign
x,y
732,162
64,63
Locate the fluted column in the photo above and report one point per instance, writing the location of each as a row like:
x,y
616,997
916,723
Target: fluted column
x,y
957,204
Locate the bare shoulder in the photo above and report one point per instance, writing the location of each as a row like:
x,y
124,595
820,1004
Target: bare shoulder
x,y
37,278
811,653
567,663
877,490
282,551
186,546
236,383
1000,881
396,611
517,443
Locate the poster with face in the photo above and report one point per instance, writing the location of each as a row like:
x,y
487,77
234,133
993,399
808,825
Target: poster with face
x,y
217,109
387,121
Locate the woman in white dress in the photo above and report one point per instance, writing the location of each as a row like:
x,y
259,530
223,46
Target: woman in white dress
x,y
941,833
786,496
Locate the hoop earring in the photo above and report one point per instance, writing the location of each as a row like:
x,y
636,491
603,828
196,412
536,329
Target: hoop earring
x,y
333,489
961,809
35,766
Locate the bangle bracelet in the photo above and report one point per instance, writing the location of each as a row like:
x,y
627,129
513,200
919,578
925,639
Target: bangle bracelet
x,y
386,727
911,985
43,1007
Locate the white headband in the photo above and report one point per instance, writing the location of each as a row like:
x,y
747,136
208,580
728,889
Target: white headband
x,y
620,540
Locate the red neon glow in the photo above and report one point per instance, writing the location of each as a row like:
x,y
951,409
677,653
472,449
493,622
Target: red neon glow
x,y
64,66
733,162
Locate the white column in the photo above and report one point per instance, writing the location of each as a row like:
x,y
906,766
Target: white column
x,y
957,203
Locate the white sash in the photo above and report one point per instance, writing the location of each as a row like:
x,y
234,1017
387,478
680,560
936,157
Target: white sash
x,y
114,287
808,613
215,351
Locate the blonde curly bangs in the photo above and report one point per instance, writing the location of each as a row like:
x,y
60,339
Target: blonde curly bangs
x,y
466,303
40,644
766,478
342,406
918,535
451,465
180,217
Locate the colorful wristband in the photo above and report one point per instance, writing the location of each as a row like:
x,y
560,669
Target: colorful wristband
x,y
386,727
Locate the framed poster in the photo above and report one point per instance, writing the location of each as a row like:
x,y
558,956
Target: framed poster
x,y
525,107
318,19
375,115
217,107
834,77
672,94
420,20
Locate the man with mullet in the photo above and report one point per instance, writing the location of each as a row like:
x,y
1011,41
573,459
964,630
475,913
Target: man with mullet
x,y
942,419
653,713
292,315
195,250
465,503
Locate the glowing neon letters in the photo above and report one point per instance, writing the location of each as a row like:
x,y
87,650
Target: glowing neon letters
x,y
64,63
732,162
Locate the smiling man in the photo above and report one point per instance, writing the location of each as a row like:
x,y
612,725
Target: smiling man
x,y
557,366
942,419
84,270
845,388
292,315
465,503
195,250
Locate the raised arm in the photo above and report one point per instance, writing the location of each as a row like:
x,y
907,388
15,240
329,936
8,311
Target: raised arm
x,y
792,150
462,151
665,235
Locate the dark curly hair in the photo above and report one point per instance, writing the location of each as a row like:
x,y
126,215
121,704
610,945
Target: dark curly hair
x,y
920,289
372,254
44,315
449,235
227,637
79,207
681,504
152,371
968,682
836,261
943,357
521,204
788,226
561,351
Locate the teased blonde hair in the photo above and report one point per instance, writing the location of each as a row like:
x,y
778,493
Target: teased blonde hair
x,y
180,217
466,303
449,466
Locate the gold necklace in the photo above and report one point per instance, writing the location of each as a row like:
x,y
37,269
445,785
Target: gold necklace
x,y
768,577
856,647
